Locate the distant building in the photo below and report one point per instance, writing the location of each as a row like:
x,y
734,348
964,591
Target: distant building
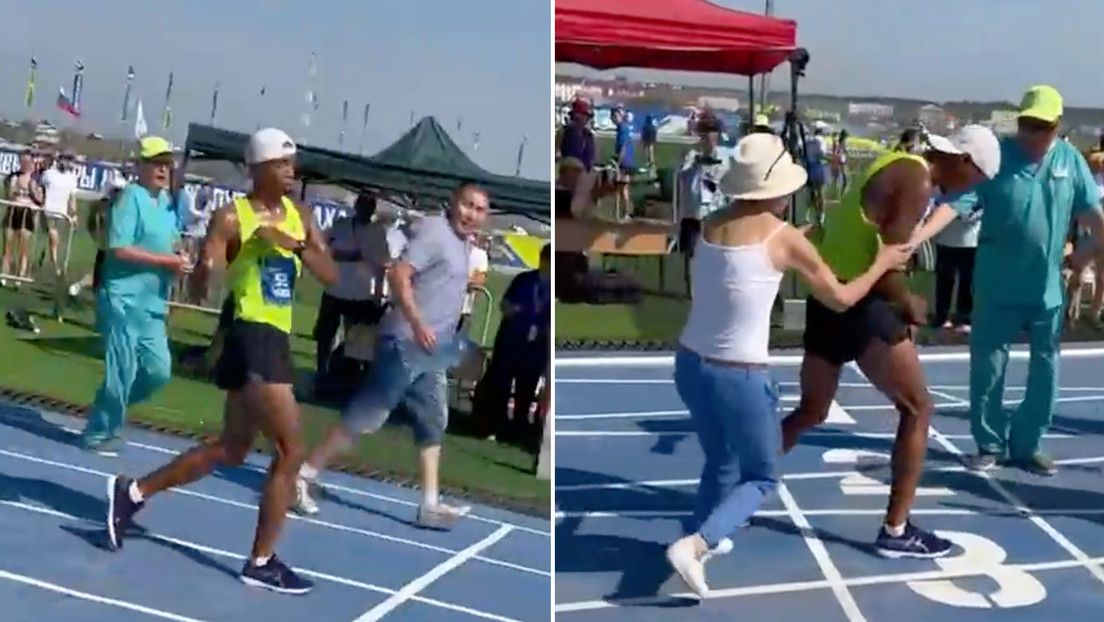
x,y
1003,121
869,111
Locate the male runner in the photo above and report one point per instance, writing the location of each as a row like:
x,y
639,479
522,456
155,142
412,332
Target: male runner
x,y
270,237
886,206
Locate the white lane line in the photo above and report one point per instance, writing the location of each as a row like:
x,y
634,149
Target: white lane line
x,y
805,586
291,516
820,554
412,589
103,600
995,511
360,493
1059,538
148,535
822,435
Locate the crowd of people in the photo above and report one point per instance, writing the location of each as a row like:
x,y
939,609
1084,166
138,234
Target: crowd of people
x,y
1034,186
412,285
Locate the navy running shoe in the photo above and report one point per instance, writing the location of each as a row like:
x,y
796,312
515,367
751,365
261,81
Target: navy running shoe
x,y
276,576
120,510
914,542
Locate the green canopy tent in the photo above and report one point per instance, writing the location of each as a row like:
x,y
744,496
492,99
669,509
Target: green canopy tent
x,y
423,161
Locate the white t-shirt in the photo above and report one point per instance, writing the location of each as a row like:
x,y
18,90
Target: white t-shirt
x,y
59,187
364,279
478,263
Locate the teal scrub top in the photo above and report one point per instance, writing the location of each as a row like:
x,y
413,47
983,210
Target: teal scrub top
x,y
140,219
1027,211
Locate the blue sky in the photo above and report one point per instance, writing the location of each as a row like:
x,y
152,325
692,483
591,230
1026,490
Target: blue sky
x,y
941,49
485,61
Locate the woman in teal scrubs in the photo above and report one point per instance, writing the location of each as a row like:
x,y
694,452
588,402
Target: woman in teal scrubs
x,y
140,266
1043,182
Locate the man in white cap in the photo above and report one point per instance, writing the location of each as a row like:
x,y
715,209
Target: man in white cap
x,y
885,207
1044,185
267,238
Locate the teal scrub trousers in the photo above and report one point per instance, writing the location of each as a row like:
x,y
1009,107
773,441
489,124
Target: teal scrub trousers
x,y
995,326
137,363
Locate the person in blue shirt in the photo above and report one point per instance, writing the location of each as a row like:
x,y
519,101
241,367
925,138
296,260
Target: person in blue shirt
x,y
1043,182
519,359
139,268
624,158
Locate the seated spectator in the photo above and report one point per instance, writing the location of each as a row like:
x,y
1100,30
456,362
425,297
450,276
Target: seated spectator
x,y
519,359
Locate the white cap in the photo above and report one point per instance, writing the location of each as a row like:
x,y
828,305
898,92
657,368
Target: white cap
x,y
267,145
976,141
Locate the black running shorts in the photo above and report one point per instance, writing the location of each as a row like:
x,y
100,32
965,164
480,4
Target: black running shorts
x,y
840,338
254,351
20,219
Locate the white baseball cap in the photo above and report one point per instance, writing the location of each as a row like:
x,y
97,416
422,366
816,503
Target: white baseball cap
x,y
976,141
267,145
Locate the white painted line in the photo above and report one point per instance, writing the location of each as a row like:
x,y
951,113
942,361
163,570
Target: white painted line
x,y
805,586
995,511
790,360
303,571
103,600
840,434
651,414
413,588
291,516
1079,461
820,554
361,493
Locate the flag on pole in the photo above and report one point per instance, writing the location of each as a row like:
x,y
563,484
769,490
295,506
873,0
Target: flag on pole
x,y
411,118
475,141
344,120
459,124
65,103
311,97
140,128
29,98
126,93
260,103
214,104
364,126
78,86
521,155
166,113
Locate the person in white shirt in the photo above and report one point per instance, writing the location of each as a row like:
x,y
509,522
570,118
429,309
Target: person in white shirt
x,y
478,265
359,247
60,204
722,364
699,195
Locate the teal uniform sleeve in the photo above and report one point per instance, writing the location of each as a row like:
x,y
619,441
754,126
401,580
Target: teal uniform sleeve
x,y
123,221
965,204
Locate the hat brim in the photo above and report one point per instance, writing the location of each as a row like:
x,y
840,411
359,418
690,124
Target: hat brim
x,y
1038,114
783,183
163,156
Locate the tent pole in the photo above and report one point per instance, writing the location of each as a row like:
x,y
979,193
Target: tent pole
x,y
793,309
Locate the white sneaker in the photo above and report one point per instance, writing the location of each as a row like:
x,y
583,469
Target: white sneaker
x,y
304,504
441,516
683,557
75,289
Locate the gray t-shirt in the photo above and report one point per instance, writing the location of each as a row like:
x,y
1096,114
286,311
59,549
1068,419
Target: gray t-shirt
x,y
440,260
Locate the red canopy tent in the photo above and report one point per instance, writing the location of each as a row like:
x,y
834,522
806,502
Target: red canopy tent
x,y
681,35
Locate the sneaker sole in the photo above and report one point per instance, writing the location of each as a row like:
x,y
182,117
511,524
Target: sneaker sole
x,y
893,554
250,581
113,538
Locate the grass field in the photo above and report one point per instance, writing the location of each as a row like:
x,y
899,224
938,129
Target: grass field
x,y
64,362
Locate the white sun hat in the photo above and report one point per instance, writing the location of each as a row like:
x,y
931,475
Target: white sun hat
x,y
762,169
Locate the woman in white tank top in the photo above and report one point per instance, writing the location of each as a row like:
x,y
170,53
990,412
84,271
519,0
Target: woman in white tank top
x,y
721,366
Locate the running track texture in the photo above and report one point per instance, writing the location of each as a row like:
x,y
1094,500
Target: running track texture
x,y
369,563
1029,548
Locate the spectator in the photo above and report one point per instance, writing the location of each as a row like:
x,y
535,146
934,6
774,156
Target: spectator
x,y
649,136
359,247
97,228
576,139
623,161
23,193
519,358
59,184
478,265
698,195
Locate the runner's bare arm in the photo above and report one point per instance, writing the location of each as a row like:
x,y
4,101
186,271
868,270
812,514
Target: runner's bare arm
x,y
223,230
800,255
316,255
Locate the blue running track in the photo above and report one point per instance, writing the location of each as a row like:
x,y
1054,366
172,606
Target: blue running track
x,y
1029,548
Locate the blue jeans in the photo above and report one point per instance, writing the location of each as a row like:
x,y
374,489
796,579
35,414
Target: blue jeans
x,y
735,414
396,378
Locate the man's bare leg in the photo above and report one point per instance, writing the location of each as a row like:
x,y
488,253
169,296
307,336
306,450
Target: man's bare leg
x,y
819,384
895,370
280,424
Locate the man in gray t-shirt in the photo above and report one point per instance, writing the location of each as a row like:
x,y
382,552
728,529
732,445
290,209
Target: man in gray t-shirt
x,y
427,285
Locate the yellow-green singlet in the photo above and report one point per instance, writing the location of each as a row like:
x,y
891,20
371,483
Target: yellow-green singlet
x,y
262,277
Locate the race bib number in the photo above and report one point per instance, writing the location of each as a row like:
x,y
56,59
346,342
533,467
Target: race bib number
x,y
278,280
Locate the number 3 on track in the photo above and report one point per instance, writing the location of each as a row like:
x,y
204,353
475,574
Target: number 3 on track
x,y
981,557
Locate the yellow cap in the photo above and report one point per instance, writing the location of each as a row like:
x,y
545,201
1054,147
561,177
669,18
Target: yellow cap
x,y
1043,103
154,147
761,120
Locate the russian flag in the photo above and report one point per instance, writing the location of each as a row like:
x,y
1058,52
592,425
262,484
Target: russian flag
x,y
65,104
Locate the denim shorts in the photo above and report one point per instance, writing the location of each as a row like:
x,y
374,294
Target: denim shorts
x,y
392,381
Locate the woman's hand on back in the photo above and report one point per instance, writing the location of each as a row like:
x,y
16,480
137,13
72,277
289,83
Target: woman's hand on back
x,y
894,256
